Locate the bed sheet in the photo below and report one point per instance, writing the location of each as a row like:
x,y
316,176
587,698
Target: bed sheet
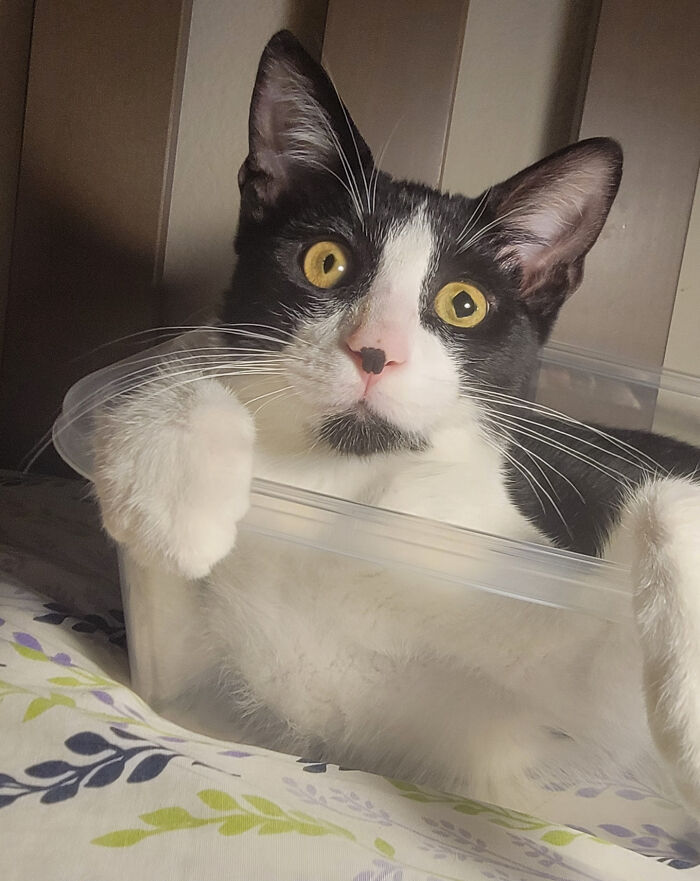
x,y
95,785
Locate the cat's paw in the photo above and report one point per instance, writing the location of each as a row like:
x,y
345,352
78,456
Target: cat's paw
x,y
666,570
172,473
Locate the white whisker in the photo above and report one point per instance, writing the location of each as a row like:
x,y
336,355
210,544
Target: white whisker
x,y
484,229
351,132
613,473
475,216
272,396
534,407
109,393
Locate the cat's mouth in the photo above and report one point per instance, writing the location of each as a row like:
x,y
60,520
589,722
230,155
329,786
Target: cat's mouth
x,y
362,432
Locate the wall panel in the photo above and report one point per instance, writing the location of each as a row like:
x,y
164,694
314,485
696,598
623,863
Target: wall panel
x,y
522,66
102,79
15,36
225,42
395,63
643,90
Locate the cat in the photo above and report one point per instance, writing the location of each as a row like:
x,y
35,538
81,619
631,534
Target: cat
x,y
375,344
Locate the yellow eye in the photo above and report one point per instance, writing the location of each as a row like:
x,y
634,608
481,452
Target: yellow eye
x,y
324,264
461,304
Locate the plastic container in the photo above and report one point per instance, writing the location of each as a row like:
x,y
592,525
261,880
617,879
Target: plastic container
x,y
445,562
443,557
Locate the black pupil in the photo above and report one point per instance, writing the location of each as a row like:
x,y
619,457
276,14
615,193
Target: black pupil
x,y
328,263
463,305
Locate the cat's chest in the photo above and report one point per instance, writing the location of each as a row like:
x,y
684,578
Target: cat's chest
x,y
459,480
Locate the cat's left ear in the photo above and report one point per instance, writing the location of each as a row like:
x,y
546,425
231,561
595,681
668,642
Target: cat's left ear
x,y
298,127
551,214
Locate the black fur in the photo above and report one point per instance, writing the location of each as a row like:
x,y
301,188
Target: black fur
x,y
363,433
601,470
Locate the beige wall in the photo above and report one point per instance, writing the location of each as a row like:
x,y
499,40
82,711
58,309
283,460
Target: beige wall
x,y
683,346
100,93
226,39
395,63
644,90
677,414
519,87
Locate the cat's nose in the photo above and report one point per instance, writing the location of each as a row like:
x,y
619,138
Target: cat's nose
x,y
373,353
371,360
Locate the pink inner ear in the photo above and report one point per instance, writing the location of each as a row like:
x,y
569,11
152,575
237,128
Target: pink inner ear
x,y
291,127
556,214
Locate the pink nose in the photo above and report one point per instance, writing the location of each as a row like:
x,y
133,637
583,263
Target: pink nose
x,y
373,351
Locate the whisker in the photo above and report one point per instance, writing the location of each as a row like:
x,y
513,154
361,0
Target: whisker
x,y
353,187
352,136
100,396
374,178
243,330
534,407
171,330
357,150
198,355
613,473
37,449
108,394
529,477
522,420
545,462
268,395
132,380
206,354
475,216
353,196
489,226
222,374
138,336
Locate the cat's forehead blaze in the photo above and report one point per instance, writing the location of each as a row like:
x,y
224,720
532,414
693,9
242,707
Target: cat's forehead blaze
x,y
405,263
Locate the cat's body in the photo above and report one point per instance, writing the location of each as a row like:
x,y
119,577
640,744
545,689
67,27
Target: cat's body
x,y
372,389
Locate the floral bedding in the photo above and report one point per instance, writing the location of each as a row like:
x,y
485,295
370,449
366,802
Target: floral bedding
x,y
95,785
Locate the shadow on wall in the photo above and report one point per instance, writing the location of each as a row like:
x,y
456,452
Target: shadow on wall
x,y
75,291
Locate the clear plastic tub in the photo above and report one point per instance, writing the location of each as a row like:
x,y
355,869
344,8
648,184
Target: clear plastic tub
x,y
445,562
443,557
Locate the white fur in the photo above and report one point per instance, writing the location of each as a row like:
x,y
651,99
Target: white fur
x,y
175,464
376,668
666,527
417,396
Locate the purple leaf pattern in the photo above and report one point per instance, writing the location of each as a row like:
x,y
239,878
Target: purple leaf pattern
x,y
193,789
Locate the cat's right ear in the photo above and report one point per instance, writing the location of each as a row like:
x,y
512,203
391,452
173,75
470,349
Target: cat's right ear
x,y
298,125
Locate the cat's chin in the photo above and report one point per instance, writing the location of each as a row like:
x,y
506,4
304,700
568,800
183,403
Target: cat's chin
x,y
362,432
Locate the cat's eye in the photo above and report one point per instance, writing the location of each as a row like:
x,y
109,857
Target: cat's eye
x,y
324,264
461,304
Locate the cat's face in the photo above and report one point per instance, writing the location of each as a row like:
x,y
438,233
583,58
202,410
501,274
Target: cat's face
x,y
398,301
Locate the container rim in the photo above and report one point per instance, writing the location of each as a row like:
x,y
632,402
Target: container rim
x,y
591,585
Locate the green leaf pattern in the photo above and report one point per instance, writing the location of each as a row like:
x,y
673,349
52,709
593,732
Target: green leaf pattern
x,y
386,829
232,818
41,704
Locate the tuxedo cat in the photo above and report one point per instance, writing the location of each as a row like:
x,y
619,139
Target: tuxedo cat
x,y
375,344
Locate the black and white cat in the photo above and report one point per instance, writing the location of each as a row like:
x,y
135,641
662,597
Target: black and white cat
x,y
374,344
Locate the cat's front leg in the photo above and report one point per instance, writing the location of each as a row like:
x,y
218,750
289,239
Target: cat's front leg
x,y
173,466
665,527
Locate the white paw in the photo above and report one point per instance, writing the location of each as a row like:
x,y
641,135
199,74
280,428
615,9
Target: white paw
x,y
173,467
667,605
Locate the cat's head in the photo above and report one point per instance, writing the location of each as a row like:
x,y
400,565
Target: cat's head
x,y
398,300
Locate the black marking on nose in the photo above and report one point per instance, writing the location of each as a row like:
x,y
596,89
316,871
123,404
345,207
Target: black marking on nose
x,y
373,360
